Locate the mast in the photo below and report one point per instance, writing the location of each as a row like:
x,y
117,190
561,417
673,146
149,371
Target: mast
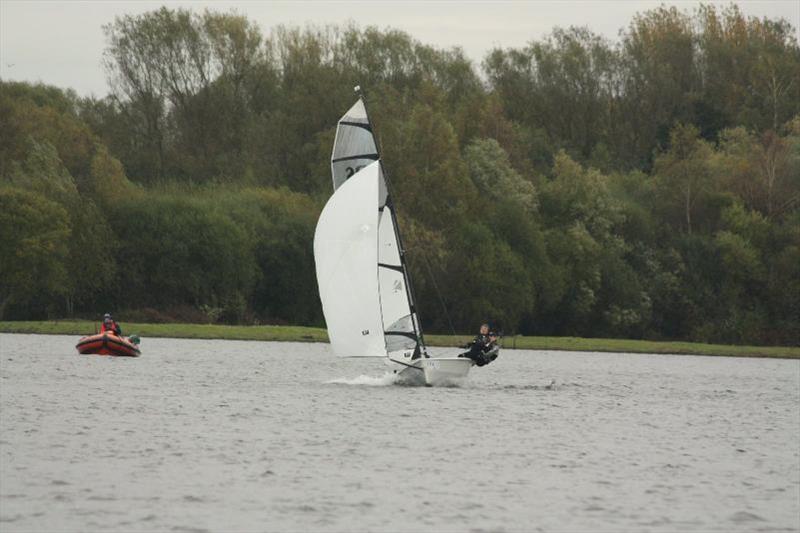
x,y
409,288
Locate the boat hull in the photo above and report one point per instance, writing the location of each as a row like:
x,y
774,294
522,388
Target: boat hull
x,y
107,343
445,370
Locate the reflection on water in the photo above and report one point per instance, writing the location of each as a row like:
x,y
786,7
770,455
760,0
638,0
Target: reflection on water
x,y
221,435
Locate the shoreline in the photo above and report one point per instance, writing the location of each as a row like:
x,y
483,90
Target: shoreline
x,y
311,334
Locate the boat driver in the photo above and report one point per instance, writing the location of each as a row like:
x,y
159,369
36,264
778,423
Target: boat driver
x,y
110,325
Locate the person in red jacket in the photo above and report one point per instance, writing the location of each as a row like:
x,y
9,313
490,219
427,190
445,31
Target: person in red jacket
x,y
110,325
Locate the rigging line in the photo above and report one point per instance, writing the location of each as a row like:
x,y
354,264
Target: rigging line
x,y
438,292
404,364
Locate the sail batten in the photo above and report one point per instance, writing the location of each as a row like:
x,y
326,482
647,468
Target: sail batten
x,y
373,157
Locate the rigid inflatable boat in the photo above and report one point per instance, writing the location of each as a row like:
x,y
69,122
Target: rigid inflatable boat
x,y
107,343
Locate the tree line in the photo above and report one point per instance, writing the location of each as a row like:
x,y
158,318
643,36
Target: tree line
x,y
647,187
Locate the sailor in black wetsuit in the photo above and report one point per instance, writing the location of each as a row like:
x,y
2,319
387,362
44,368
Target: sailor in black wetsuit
x,y
477,344
491,349
483,349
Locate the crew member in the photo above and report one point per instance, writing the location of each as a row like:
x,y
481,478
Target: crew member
x,y
491,349
480,339
483,349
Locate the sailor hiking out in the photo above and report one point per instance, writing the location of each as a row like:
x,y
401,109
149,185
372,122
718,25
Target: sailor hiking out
x,y
483,349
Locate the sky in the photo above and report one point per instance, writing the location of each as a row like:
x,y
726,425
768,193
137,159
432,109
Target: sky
x,y
62,42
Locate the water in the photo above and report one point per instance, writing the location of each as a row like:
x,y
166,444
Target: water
x,y
223,435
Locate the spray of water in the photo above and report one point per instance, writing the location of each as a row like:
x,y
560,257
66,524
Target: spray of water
x,y
388,379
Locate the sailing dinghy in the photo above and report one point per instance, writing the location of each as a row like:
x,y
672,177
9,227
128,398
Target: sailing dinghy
x,y
364,284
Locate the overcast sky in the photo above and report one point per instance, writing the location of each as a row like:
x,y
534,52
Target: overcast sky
x,y
61,42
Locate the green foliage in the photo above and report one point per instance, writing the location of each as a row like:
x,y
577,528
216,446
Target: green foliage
x,y
684,174
491,171
280,229
43,172
491,274
33,247
107,182
89,263
179,250
645,188
48,116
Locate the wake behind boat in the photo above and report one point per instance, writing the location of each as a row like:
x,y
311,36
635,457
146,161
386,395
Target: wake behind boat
x,y
364,284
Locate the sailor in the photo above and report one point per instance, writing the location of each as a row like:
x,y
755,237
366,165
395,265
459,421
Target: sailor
x,y
110,325
481,338
491,349
480,345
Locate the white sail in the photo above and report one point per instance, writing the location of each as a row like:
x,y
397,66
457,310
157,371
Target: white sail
x,y
398,323
363,281
381,294
346,255
354,147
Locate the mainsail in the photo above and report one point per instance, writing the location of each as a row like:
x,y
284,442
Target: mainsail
x,y
363,281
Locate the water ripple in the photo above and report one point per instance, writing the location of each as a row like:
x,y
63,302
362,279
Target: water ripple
x,y
211,435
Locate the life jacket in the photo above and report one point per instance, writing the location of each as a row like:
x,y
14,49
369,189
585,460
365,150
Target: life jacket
x,y
478,342
113,327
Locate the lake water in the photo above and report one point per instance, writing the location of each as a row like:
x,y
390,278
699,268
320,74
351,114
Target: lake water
x,y
258,436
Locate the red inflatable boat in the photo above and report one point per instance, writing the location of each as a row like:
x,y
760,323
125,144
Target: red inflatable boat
x,y
107,343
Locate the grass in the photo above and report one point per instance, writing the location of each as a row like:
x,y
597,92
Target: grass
x,y
182,331
305,334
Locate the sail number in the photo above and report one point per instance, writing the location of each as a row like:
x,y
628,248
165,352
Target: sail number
x,y
349,171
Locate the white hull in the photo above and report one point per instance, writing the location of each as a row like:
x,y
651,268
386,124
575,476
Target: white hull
x,y
445,370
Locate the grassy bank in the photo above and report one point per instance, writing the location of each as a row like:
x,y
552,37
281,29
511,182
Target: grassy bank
x,y
304,334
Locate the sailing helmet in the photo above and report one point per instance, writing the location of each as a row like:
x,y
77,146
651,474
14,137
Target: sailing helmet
x,y
107,316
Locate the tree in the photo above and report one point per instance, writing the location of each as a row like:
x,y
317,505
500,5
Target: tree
x,y
89,263
435,187
491,172
493,276
684,172
658,80
155,60
563,83
107,182
279,225
749,68
178,250
33,246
